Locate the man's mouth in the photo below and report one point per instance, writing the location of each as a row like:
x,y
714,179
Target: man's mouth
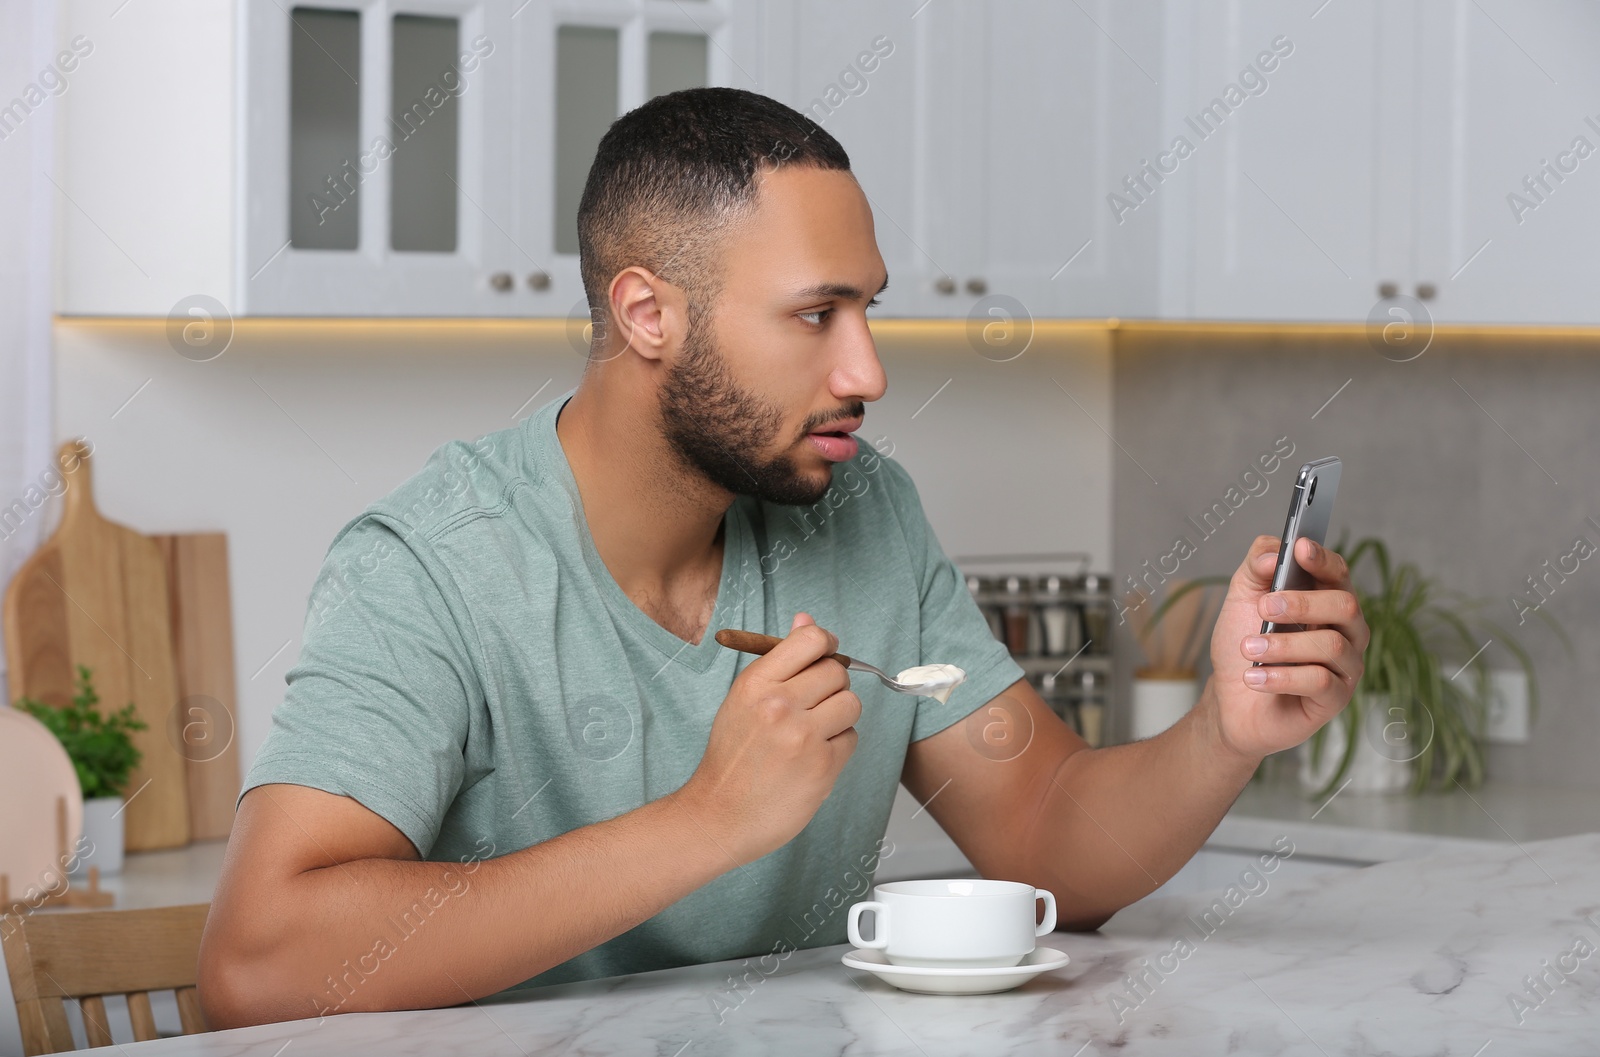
x,y
836,445
840,429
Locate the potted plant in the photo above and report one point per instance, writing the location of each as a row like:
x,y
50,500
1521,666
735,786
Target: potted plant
x,y
103,753
1414,721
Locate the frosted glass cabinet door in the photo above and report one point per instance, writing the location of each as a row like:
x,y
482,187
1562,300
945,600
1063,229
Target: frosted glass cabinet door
x,y
422,194
324,127
587,63
375,176
579,66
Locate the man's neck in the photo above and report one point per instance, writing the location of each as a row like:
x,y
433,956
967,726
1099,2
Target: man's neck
x,y
657,527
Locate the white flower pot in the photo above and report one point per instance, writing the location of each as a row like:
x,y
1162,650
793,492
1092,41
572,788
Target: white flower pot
x,y
1383,760
102,836
1157,703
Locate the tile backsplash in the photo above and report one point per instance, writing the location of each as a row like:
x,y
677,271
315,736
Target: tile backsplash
x,y
1476,460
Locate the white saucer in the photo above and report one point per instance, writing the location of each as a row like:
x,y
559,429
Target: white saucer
x,y
931,980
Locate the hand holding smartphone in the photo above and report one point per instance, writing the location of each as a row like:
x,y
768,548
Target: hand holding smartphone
x,y
1310,510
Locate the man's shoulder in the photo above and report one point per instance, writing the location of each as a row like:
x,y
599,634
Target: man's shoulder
x,y
461,480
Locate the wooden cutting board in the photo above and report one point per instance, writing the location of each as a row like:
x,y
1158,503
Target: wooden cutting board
x,y
202,638
95,593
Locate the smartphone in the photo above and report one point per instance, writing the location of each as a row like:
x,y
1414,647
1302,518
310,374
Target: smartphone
x,y
1310,510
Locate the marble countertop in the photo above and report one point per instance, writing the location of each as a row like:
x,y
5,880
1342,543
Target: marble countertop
x,y
1417,956
1358,828
1366,827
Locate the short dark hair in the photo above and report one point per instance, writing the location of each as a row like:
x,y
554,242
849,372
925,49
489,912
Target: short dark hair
x,y
669,174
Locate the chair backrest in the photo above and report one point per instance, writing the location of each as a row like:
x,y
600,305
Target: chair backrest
x,y
91,954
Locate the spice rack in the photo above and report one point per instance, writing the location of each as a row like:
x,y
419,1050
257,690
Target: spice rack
x,y
1053,612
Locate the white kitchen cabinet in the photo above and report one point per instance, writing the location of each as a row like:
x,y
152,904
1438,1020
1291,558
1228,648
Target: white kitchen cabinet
x,y
1508,100
1054,104
1380,158
1288,135
375,173
985,135
354,157
859,71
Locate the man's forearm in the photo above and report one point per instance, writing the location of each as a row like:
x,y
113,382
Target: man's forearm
x,y
375,934
1118,822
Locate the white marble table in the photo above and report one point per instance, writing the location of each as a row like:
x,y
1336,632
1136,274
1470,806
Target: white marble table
x,y
1418,956
1349,828
1367,828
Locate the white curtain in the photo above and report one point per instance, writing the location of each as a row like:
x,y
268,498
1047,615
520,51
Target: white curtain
x,y
27,154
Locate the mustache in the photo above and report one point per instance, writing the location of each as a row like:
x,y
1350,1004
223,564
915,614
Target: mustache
x,y
856,410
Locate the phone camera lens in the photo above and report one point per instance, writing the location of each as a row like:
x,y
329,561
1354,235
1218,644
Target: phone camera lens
x,y
1311,495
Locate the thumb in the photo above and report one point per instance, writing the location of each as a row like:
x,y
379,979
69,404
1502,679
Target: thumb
x,y
801,620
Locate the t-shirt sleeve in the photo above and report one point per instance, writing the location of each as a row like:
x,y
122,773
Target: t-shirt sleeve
x,y
953,628
378,704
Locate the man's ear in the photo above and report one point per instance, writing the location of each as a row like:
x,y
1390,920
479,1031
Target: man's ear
x,y
651,313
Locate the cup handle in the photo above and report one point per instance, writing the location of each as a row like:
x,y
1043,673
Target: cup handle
x,y
880,924
1048,925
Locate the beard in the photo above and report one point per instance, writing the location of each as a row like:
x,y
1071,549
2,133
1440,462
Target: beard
x,y
718,429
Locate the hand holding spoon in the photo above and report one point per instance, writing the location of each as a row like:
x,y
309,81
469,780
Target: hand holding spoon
x,y
928,680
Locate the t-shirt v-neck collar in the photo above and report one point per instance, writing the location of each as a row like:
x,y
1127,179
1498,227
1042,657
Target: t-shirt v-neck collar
x,y
695,656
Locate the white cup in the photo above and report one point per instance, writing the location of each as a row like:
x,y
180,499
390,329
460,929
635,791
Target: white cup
x,y
959,922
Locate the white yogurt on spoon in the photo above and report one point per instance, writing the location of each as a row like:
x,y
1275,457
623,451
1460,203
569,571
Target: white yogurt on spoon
x,y
933,680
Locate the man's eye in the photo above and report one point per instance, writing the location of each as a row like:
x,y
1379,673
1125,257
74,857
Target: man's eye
x,y
820,314
873,303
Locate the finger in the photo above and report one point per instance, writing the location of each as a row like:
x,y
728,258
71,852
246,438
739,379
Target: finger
x,y
801,648
1311,681
801,619
1262,558
820,680
1324,646
844,745
836,714
1325,566
1331,607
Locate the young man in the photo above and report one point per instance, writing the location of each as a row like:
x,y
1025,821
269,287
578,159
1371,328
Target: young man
x,y
511,751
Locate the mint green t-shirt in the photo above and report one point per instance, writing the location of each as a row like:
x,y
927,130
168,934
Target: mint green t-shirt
x,y
471,672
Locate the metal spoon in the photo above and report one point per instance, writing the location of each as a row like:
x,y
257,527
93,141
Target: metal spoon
x,y
752,642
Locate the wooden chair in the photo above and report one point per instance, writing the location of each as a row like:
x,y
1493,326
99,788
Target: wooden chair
x,y
87,955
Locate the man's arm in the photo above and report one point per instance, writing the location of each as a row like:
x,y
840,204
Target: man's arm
x,y
324,906
1103,827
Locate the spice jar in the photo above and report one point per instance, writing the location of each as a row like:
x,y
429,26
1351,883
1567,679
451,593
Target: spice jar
x,y
1019,635
1057,693
1094,601
1091,708
1060,622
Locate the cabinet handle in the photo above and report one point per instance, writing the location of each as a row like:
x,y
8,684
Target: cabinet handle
x,y
1426,291
501,281
1387,290
945,285
539,280
977,286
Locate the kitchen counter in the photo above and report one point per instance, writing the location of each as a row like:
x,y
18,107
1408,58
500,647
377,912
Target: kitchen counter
x,y
1418,956
1346,828
1364,827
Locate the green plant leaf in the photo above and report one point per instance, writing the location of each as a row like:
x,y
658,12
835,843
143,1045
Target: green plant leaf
x,y
101,747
